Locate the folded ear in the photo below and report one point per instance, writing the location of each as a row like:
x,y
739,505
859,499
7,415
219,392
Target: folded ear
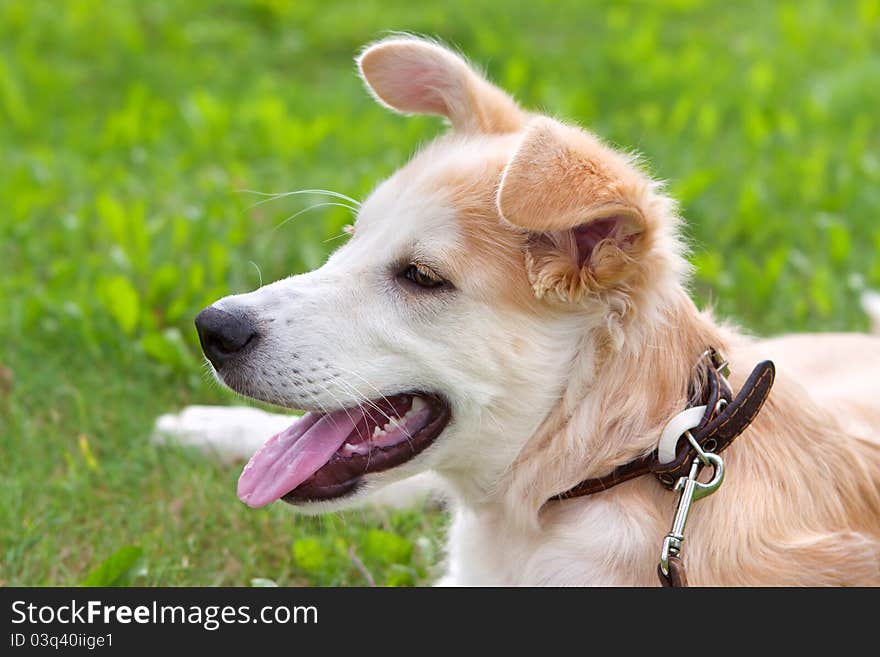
x,y
415,76
584,206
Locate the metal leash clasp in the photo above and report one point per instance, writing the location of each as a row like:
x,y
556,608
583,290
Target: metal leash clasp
x,y
691,490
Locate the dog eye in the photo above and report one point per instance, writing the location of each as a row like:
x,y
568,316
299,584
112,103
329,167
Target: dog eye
x,y
422,276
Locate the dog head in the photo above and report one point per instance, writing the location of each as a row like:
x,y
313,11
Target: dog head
x,y
501,259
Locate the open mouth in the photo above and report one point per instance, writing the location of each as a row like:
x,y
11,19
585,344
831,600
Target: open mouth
x,y
324,455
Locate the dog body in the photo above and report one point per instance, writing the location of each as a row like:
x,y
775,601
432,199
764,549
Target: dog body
x,y
798,506
514,301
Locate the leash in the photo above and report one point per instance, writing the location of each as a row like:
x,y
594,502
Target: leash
x,y
709,428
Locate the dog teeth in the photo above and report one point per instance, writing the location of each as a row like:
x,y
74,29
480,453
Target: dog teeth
x,y
350,450
398,423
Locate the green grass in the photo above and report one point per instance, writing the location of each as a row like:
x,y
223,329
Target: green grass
x,y
129,128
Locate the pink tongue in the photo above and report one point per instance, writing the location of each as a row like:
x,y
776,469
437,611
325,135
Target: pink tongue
x,y
292,456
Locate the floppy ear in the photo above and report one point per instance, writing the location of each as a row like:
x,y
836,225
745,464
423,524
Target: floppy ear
x,y
415,76
583,205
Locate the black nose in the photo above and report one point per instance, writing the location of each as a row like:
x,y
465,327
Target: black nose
x,y
223,334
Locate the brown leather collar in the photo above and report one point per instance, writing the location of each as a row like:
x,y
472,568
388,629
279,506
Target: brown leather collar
x,y
725,419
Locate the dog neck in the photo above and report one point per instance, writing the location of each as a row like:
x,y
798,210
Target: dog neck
x,y
615,405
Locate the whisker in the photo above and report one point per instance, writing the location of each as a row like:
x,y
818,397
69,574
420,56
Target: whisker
x,y
328,192
358,396
366,400
336,399
335,237
312,207
318,403
273,197
373,404
259,272
353,373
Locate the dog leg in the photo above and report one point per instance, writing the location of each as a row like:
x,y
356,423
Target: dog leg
x,y
230,434
408,493
871,304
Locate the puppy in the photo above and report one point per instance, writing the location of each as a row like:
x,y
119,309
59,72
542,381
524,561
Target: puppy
x,y
511,315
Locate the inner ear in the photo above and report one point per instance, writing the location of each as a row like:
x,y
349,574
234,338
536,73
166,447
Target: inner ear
x,y
616,234
587,236
620,230
588,257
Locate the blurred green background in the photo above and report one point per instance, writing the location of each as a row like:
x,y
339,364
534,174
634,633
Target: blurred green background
x,y
129,130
